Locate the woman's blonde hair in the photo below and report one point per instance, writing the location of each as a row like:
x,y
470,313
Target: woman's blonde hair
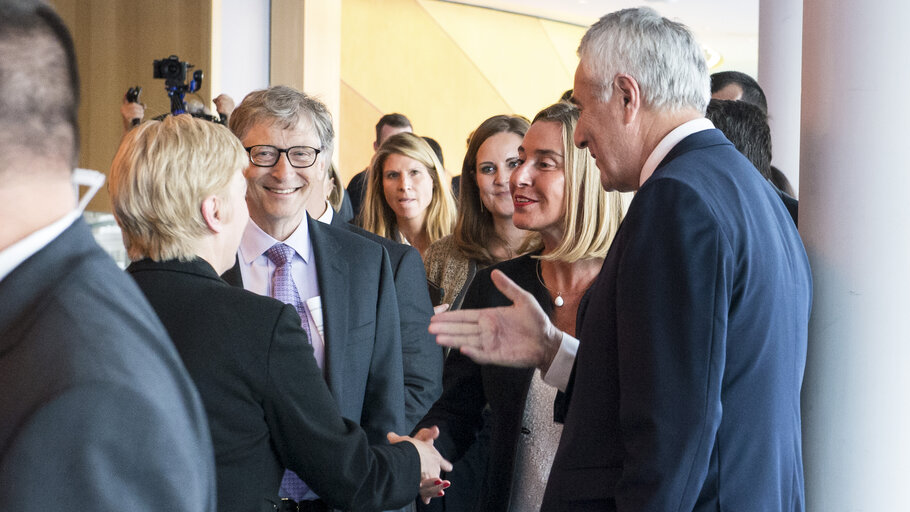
x,y
159,178
592,214
336,196
378,216
474,232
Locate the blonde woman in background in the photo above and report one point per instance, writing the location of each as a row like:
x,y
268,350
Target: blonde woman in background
x,y
405,199
484,233
556,193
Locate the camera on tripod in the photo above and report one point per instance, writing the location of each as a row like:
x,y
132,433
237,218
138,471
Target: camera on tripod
x,y
173,71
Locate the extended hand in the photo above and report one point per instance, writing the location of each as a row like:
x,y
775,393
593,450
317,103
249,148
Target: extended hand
x,y
431,462
518,335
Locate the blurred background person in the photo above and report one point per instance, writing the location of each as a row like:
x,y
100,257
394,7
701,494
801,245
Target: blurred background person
x,y
267,404
557,194
388,125
337,197
746,126
406,200
484,233
98,412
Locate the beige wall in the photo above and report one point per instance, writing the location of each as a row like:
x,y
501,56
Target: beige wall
x,y
447,67
116,42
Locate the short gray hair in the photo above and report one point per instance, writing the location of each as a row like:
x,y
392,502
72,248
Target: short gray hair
x,y
284,105
662,56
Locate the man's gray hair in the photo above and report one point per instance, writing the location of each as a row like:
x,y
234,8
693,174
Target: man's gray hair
x,y
661,55
284,105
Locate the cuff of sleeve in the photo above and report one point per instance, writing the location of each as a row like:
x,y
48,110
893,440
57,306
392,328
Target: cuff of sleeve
x,y
561,367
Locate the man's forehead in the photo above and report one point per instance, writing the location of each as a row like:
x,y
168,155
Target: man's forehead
x,y
303,127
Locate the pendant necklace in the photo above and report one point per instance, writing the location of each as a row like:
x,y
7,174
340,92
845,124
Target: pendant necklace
x,y
558,301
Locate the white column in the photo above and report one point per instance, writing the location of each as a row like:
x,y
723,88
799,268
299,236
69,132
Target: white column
x,y
780,24
855,221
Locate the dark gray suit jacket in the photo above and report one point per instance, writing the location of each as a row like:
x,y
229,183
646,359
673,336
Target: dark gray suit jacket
x,y
268,405
362,340
686,388
421,356
98,412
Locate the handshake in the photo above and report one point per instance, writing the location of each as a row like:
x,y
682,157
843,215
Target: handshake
x,y
431,462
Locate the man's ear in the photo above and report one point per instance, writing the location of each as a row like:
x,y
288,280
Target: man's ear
x,y
631,96
213,213
375,146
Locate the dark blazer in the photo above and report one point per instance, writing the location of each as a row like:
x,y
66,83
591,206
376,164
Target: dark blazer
x,y
362,339
98,412
469,387
421,356
791,204
686,386
357,189
268,405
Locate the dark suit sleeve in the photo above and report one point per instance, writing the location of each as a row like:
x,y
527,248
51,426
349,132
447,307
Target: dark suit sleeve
x,y
383,402
328,452
458,412
103,447
673,295
421,356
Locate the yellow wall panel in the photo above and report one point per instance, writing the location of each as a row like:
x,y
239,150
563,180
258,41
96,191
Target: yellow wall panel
x,y
514,53
358,117
565,38
446,66
399,59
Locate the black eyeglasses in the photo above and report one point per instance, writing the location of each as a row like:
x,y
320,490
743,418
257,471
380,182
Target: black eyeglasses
x,y
298,156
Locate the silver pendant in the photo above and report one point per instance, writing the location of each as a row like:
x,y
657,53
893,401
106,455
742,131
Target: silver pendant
x,y
559,302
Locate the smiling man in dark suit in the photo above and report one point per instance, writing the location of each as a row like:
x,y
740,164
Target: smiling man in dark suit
x,y
96,410
684,392
345,291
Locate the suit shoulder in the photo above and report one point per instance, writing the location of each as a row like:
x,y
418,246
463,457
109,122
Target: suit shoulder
x,y
345,238
396,250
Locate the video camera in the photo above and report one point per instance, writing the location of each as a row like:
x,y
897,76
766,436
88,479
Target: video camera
x,y
174,72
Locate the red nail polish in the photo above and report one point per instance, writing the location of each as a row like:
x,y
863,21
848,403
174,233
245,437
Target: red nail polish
x,y
437,482
445,485
441,493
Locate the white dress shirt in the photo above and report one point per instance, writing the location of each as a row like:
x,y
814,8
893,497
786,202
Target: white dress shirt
x,y
257,271
561,368
14,255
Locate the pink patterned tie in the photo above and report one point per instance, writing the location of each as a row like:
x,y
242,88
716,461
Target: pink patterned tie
x,y
284,289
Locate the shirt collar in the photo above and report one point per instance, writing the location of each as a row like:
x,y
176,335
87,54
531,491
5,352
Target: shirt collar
x,y
669,141
14,255
256,242
326,218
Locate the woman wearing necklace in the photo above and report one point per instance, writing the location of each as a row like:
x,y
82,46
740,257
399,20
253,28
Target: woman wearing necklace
x,y
556,194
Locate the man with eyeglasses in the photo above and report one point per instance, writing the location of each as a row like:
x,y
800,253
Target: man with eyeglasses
x,y
341,284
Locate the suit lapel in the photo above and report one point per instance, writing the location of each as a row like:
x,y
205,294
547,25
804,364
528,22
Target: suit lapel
x,y
334,288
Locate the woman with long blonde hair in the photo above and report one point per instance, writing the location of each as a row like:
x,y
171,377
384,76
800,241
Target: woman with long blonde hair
x,y
405,199
556,194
